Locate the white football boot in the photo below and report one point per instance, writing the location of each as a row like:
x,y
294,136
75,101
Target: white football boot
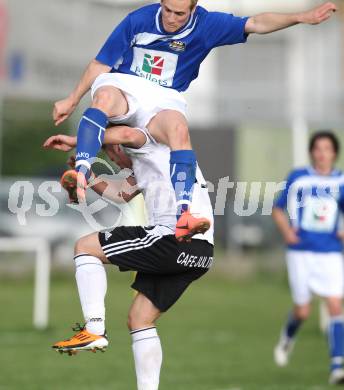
x,y
283,350
336,377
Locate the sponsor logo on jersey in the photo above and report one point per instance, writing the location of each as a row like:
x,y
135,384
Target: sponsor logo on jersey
x,y
153,65
177,46
319,214
156,66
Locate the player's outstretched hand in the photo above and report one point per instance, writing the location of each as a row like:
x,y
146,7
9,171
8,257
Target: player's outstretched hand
x,y
319,14
63,109
60,142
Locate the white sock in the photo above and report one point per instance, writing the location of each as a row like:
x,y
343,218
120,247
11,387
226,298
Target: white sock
x,y
148,358
92,284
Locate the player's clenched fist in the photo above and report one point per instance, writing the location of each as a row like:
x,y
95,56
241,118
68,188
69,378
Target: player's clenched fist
x,y
63,109
319,14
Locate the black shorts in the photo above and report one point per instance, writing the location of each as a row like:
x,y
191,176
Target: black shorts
x,y
165,267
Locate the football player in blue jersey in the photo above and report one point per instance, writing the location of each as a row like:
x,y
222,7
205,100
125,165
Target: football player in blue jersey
x,y
314,198
137,78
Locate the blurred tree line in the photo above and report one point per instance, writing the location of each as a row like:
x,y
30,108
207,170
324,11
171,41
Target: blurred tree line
x,y
26,125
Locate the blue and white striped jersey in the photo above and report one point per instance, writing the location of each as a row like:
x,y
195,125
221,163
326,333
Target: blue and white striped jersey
x,y
140,46
314,203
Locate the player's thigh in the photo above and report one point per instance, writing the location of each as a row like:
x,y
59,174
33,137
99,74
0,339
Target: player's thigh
x,y
328,278
168,124
299,272
142,313
90,245
110,100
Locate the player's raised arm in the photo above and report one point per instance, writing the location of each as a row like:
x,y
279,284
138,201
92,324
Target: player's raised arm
x,y
269,22
115,135
118,41
119,191
65,107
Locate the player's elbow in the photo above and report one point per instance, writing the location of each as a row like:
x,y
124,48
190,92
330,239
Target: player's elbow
x,y
277,210
133,137
129,135
276,213
255,26
251,25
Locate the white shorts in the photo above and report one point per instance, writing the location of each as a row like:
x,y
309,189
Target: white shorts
x,y
145,99
313,272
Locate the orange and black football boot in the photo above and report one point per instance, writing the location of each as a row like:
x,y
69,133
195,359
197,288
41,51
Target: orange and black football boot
x,y
69,181
188,226
82,341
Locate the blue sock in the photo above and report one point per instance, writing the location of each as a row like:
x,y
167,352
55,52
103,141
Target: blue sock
x,y
183,176
336,341
292,326
90,138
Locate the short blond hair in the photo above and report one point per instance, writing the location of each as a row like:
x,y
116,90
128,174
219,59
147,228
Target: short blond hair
x,y
193,3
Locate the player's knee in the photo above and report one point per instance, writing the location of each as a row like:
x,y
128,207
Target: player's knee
x,y
302,312
84,245
103,100
182,133
80,246
179,137
136,321
335,308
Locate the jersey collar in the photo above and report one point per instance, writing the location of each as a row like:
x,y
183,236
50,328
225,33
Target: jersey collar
x,y
312,171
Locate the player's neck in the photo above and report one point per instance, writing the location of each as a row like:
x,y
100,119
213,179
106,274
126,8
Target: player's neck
x,y
323,170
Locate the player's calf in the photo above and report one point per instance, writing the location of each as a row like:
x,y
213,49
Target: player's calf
x,y
146,342
285,345
336,348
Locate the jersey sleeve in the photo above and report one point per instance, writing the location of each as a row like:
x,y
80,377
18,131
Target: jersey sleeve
x,y
224,29
118,42
282,200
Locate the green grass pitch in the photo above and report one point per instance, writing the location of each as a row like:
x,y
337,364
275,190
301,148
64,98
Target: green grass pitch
x,y
219,336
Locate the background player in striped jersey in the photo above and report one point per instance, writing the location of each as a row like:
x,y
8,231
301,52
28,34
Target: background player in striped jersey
x,y
165,267
314,197
153,55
